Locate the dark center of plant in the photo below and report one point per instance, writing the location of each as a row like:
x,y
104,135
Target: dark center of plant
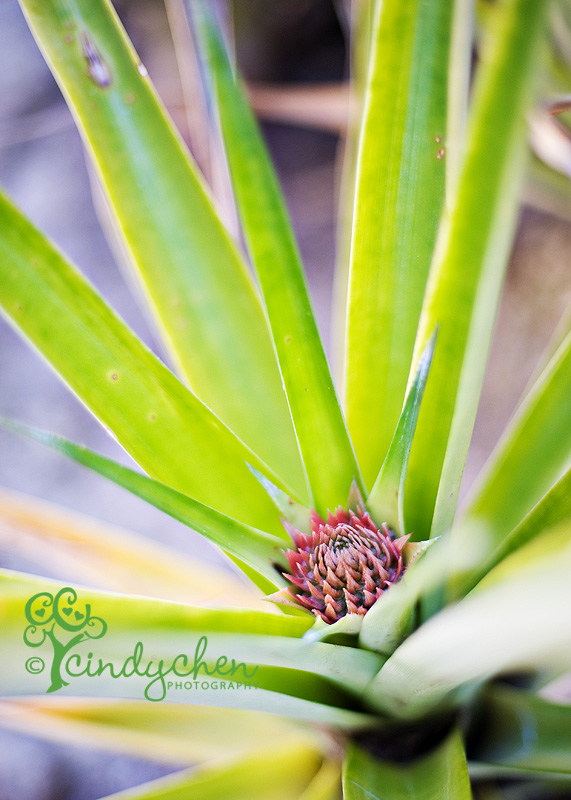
x,y
344,565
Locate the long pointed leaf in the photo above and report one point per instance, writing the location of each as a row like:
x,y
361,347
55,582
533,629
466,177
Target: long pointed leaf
x,y
552,510
162,425
459,74
321,432
399,197
264,775
195,281
439,775
75,547
470,259
360,19
258,549
170,733
386,501
182,654
291,511
532,454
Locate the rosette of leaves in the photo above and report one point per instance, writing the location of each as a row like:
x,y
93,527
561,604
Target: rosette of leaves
x,y
425,679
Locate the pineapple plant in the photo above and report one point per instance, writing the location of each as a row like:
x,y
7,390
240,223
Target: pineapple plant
x,y
405,648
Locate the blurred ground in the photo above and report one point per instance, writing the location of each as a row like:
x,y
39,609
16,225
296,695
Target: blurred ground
x,y
43,169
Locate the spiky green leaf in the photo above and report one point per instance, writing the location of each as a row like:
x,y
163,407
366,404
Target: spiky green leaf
x,y
161,424
470,259
552,510
324,443
257,549
75,547
264,775
194,279
398,200
386,500
155,647
170,733
295,513
531,455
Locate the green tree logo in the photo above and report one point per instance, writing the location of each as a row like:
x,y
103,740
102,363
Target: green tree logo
x,y
52,617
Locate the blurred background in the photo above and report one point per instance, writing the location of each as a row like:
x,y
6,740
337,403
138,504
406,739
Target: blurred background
x,y
295,60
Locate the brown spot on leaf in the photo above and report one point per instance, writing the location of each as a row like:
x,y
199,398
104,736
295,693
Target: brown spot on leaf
x,y
97,69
